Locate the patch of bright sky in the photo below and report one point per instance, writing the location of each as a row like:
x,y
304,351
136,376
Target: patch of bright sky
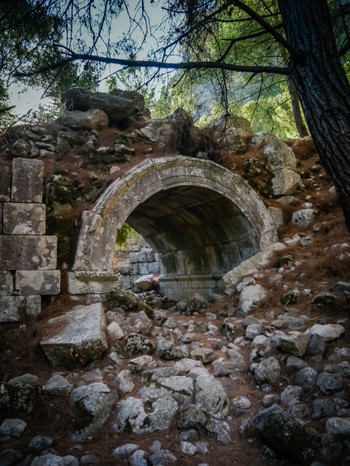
x,y
30,98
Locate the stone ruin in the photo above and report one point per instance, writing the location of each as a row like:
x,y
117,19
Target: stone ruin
x,y
199,218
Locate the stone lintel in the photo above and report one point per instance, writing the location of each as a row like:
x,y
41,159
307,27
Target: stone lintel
x,y
38,282
20,252
27,180
92,282
17,308
24,218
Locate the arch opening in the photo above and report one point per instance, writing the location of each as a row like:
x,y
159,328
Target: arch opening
x,y
199,235
200,218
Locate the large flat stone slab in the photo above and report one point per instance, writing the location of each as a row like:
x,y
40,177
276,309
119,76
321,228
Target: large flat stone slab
x,y
76,337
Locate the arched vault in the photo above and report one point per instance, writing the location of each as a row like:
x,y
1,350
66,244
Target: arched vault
x,y
202,219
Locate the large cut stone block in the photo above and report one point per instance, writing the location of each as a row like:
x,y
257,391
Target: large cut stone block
x,y
6,283
24,219
28,252
16,308
27,180
76,337
5,183
42,282
85,282
1,210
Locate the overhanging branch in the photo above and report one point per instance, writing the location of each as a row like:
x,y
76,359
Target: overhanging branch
x,y
198,65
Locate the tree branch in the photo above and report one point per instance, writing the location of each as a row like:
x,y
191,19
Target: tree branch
x,y
278,37
155,64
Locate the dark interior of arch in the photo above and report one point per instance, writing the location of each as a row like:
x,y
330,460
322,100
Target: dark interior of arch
x,y
195,230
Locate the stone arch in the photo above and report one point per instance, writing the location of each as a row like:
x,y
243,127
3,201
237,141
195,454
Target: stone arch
x,y
202,219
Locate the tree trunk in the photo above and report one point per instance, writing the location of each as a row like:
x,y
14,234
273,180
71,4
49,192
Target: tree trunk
x,y
322,87
298,117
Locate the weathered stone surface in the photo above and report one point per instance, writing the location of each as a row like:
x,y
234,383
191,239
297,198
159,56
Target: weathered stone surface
x,y
160,131
77,337
51,459
291,395
115,332
329,383
167,349
57,385
27,180
338,426
6,283
231,139
164,410
203,354
118,108
92,405
250,297
16,308
40,443
131,414
24,218
327,332
138,344
123,381
278,155
249,266
285,182
303,217
5,183
191,417
268,371
295,343
86,282
41,282
211,397
93,118
17,399
13,427
288,435
19,252
306,378
144,283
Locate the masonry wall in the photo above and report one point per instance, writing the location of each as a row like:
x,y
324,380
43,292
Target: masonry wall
x,y
28,257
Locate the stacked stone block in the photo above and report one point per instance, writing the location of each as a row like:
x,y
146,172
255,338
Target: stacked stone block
x,y
140,263
28,257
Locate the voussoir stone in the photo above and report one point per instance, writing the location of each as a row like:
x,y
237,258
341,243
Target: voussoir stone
x,y
76,337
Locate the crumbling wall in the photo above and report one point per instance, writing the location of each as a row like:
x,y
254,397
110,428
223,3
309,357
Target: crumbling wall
x,y
28,257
